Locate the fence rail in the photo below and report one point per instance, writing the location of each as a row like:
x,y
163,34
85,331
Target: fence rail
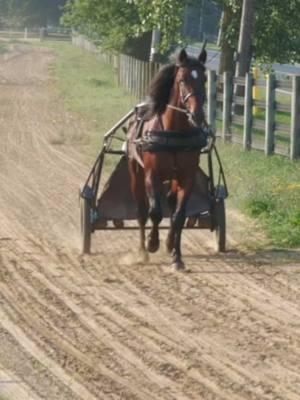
x,y
271,123
38,33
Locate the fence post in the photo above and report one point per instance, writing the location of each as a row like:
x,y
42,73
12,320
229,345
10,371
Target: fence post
x,y
147,66
131,74
136,80
227,91
295,119
270,115
125,71
248,112
122,67
118,69
140,80
25,34
42,34
212,98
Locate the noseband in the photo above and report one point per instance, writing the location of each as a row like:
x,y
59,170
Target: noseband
x,y
184,99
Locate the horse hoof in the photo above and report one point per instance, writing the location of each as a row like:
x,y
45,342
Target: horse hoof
x,y
178,265
191,222
153,246
118,223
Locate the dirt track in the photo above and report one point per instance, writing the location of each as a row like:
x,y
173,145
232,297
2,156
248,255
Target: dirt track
x,y
104,327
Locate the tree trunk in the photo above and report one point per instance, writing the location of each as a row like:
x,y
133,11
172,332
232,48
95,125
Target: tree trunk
x,y
227,51
139,47
244,47
245,38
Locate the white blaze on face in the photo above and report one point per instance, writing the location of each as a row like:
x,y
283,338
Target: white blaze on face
x,y
194,74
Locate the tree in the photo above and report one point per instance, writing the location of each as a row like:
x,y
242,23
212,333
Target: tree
x,y
276,35
229,35
18,13
112,22
164,15
107,22
245,38
12,13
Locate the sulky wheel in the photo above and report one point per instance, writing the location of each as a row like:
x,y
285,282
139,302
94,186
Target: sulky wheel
x,y
85,225
220,227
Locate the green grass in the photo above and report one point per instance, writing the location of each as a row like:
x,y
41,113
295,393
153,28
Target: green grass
x,y
3,48
266,188
209,46
89,88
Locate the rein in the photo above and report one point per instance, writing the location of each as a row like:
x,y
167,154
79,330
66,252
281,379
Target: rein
x,y
183,110
186,112
184,99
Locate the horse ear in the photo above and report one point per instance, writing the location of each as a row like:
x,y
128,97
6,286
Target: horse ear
x,y
203,56
182,57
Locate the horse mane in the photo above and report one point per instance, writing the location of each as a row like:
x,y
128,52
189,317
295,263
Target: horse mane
x,y
162,84
160,88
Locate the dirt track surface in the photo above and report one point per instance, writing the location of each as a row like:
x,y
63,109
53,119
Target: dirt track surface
x,y
104,326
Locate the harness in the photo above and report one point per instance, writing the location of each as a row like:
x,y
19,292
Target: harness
x,y
156,141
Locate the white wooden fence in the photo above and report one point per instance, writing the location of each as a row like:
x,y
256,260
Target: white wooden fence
x,y
36,33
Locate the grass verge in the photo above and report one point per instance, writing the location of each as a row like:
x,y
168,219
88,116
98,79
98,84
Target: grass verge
x,y
3,48
266,188
89,88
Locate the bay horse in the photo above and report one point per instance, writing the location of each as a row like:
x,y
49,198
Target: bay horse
x,y
174,115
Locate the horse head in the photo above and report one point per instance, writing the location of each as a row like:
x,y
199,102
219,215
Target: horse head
x,y
189,91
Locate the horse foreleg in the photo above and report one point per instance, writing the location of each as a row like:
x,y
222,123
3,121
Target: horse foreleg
x,y
155,211
142,219
139,193
172,201
178,221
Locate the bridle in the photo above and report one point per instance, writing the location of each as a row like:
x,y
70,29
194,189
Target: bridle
x,y
184,97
